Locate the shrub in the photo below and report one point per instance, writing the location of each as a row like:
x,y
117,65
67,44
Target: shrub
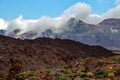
x,y
118,59
117,72
82,74
111,75
60,78
90,75
33,78
48,70
1,79
86,78
99,73
84,70
20,76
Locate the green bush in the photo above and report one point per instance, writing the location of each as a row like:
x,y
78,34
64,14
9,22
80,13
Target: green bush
x,y
60,78
1,79
86,78
20,76
118,59
49,70
84,70
33,78
82,74
99,73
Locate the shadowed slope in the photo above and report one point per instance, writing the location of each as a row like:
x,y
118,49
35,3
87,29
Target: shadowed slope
x,y
46,52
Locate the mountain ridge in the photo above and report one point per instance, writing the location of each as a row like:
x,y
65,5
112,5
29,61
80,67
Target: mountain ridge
x,y
106,33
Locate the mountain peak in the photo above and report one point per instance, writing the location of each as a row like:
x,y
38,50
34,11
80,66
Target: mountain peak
x,y
74,20
111,21
74,23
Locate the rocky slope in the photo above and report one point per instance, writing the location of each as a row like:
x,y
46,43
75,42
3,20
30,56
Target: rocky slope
x,y
45,52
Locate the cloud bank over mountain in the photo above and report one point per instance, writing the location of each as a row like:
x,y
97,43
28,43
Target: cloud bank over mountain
x,y
3,24
80,11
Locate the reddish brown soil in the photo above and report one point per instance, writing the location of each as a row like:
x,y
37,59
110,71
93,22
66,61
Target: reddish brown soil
x,y
45,52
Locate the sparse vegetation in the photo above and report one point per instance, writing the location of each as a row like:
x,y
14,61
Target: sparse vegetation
x,y
111,75
117,59
99,73
72,73
1,79
35,61
60,78
90,74
33,78
117,72
83,73
20,76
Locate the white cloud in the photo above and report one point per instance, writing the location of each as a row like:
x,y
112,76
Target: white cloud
x,y
80,11
113,13
3,24
93,19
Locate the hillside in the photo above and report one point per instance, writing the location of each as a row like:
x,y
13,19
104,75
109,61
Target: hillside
x,y
44,53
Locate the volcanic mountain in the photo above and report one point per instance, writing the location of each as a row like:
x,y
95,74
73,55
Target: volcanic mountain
x,y
45,52
106,33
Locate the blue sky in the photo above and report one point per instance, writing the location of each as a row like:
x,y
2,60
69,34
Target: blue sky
x,y
33,9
